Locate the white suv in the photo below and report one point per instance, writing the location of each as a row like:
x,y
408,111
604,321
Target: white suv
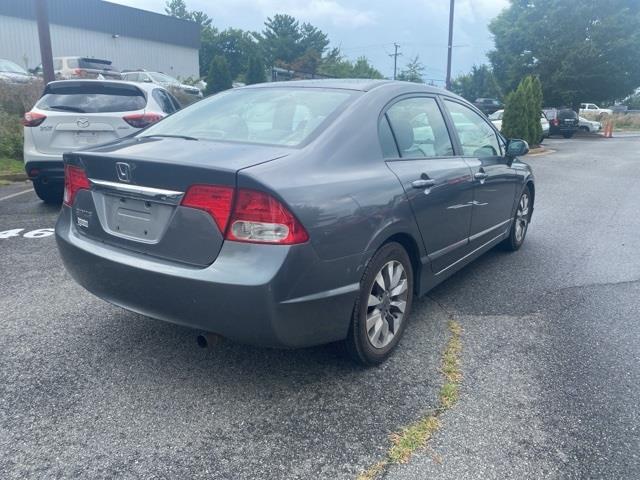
x,y
75,114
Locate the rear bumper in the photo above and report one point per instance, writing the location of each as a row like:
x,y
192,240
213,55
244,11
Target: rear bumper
x,y
265,295
48,172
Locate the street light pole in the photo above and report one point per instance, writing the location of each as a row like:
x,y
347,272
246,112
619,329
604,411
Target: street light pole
x,y
395,55
450,44
46,55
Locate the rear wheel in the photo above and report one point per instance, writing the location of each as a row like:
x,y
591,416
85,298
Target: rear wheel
x,y
48,193
383,305
567,134
520,223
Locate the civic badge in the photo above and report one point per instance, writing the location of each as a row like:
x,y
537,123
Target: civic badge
x,y
83,122
124,171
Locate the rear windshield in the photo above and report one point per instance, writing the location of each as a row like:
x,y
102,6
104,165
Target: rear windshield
x,y
7,66
272,116
87,98
92,63
566,113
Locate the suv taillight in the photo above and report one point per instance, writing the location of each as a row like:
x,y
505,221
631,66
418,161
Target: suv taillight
x,y
33,119
74,179
141,120
252,216
555,122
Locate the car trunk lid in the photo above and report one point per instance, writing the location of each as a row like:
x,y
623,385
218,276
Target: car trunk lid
x,y
137,187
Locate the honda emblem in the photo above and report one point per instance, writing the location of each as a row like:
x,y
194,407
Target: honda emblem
x,y
124,172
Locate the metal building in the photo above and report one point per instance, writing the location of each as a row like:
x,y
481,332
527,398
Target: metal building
x,y
129,37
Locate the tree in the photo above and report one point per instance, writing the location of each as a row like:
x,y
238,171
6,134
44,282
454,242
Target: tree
x,y
363,69
521,117
255,71
235,45
178,9
581,51
413,71
280,40
218,78
479,83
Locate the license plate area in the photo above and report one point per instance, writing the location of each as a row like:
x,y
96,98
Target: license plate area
x,y
132,218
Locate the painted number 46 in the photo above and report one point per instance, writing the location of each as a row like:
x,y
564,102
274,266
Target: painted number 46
x,y
17,232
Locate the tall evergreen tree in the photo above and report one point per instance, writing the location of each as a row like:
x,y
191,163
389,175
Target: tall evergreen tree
x,y
255,71
219,78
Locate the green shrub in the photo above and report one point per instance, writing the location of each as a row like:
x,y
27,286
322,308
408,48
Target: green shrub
x,y
17,99
521,117
255,71
10,136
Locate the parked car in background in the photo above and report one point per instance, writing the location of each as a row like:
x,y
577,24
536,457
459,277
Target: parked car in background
x,y
593,108
160,79
488,105
13,73
73,114
82,67
246,214
562,121
589,126
496,119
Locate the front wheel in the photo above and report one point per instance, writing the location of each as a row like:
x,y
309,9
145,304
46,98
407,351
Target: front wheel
x,y
383,305
520,223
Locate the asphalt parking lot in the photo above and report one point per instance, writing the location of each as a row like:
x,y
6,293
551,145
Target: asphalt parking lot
x,y
551,361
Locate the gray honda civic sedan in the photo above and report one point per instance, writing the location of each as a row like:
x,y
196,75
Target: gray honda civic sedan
x,y
295,214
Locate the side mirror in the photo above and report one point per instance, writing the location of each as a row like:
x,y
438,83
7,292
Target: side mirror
x,y
517,148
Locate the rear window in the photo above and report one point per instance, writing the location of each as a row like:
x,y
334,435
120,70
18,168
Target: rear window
x,y
92,98
92,63
562,114
272,116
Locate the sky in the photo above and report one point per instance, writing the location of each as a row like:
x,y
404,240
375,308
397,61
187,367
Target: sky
x,y
370,27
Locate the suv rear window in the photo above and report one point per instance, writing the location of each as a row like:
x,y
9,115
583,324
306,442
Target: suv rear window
x,y
92,63
92,98
566,113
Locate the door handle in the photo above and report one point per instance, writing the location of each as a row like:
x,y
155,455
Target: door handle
x,y
423,183
480,176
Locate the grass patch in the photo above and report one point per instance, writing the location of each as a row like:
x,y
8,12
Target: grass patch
x,y
10,166
416,435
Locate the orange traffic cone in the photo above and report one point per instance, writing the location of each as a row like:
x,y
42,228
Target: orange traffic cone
x,y
608,129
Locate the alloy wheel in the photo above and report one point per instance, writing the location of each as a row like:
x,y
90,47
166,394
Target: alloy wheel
x,y
387,303
522,217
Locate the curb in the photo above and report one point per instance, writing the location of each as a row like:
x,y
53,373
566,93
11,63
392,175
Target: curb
x,y
14,177
543,151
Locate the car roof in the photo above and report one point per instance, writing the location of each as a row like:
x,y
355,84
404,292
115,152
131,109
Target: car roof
x,y
359,84
146,87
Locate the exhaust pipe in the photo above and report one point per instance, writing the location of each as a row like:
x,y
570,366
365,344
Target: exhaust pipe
x,y
209,340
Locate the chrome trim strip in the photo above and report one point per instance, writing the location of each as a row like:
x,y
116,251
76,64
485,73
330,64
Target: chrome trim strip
x,y
137,190
334,292
488,230
471,253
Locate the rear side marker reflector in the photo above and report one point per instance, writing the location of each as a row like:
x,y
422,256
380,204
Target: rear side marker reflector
x,y
74,180
248,216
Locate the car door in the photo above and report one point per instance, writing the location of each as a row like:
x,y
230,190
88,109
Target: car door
x,y
437,183
493,176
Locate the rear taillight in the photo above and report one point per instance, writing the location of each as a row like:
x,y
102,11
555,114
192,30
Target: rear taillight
x,y
251,216
141,120
555,122
79,72
33,119
213,199
259,218
74,179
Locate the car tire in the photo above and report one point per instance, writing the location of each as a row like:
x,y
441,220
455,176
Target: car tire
x,y
584,129
50,194
567,135
387,280
520,224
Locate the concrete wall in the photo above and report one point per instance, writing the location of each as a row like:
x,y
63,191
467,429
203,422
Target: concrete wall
x,y
19,43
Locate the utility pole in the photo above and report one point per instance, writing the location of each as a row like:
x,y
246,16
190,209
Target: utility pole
x,y
450,44
46,55
395,56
